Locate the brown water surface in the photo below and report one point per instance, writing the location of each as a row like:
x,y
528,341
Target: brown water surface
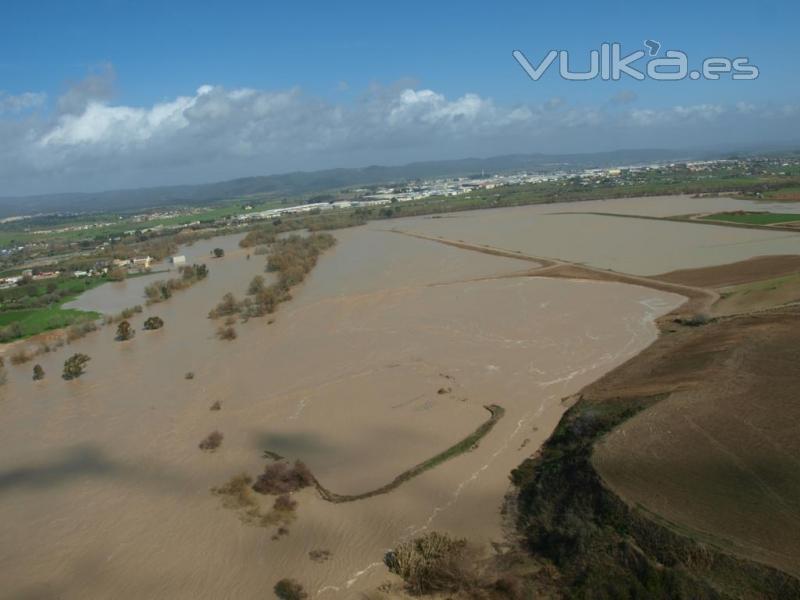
x,y
104,493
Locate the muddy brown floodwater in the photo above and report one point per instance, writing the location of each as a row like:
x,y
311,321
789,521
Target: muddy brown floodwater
x,y
105,494
575,231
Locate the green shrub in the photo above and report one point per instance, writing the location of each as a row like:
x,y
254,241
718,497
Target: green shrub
x,y
153,323
125,331
432,563
227,333
74,366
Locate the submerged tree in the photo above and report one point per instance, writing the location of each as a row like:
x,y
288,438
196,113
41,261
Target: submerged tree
x,y
256,286
218,252
74,366
290,589
38,372
125,331
153,323
117,274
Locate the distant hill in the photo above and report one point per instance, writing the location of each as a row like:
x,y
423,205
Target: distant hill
x,y
304,182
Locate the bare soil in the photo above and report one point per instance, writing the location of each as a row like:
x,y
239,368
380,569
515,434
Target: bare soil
x,y
753,269
719,458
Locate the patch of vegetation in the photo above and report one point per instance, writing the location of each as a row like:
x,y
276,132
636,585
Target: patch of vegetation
x,y
435,563
125,314
319,555
754,218
211,442
21,355
80,330
292,258
227,333
694,320
218,252
75,366
279,478
216,406
290,589
228,306
34,307
38,372
262,236
18,324
604,549
153,323
158,291
257,285
124,331
189,375
47,293
237,494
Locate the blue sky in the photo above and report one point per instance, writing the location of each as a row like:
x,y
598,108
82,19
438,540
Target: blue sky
x,y
84,86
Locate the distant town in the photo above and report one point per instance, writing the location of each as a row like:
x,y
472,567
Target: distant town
x,y
28,244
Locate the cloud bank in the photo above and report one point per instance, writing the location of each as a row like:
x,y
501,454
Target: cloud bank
x,y
85,142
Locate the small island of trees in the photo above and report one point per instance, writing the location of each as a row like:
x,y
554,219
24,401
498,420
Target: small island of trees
x,y
74,366
158,291
291,258
153,323
124,331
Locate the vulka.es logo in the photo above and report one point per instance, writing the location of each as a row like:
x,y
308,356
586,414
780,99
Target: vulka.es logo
x,y
608,63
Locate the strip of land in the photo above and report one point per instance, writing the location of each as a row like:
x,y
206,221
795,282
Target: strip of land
x,y
465,445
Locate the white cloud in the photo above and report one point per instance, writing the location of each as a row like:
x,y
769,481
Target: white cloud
x,y
216,133
98,85
20,103
676,115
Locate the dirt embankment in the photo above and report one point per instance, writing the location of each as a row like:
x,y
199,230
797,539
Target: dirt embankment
x,y
719,466
746,271
699,297
675,475
720,456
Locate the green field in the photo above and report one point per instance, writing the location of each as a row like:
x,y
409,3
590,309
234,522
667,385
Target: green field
x,y
791,193
754,218
110,225
38,320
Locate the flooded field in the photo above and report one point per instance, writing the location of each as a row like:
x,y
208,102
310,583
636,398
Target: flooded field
x,y
668,206
637,246
386,356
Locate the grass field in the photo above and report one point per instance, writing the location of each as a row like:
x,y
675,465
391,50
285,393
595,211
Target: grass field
x,y
111,225
758,295
38,320
791,193
33,321
751,218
